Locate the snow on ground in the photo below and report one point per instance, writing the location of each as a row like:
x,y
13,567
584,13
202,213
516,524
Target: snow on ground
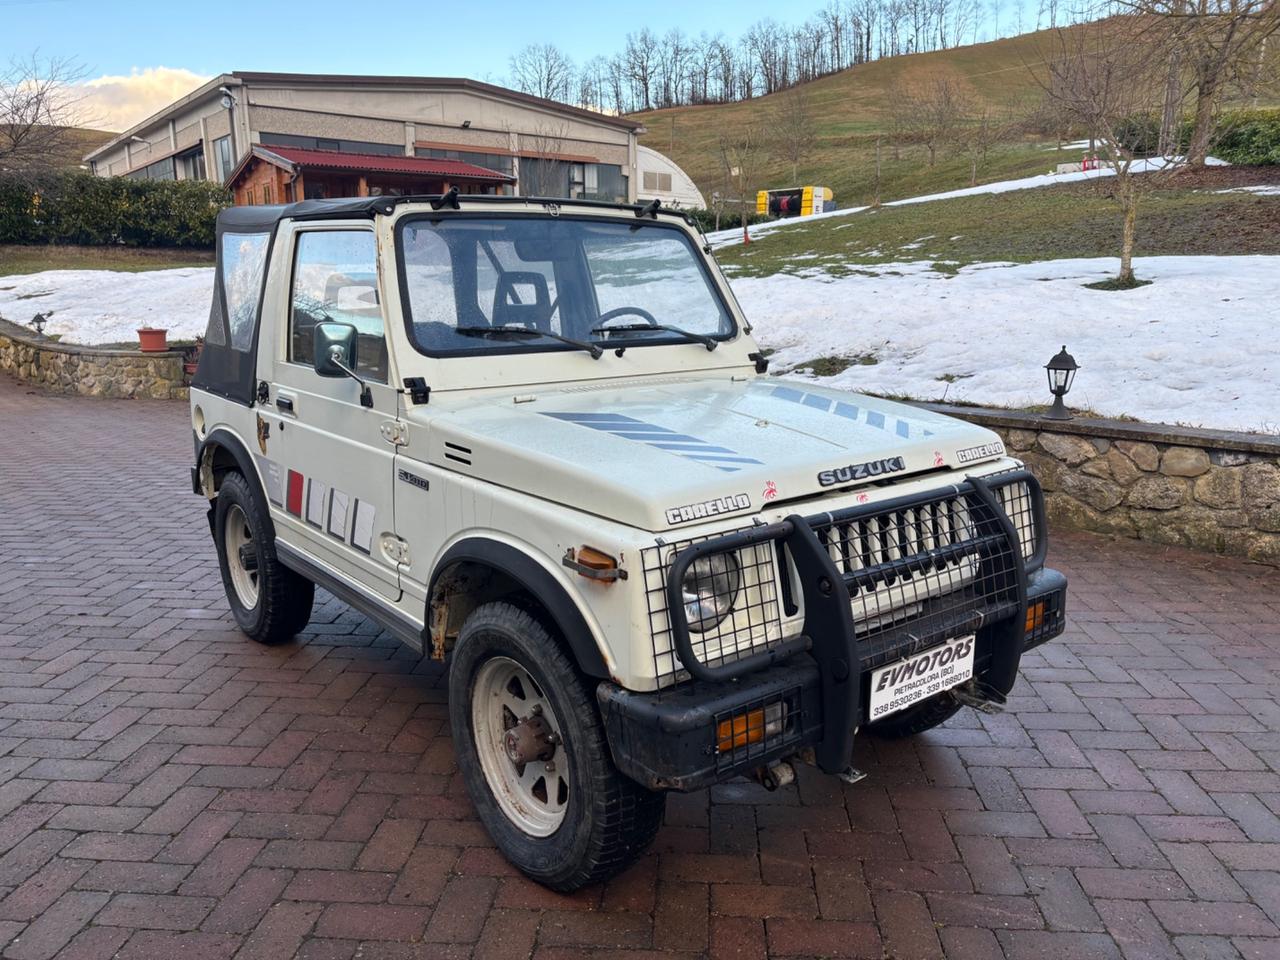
x,y
1195,347
726,238
1261,190
108,306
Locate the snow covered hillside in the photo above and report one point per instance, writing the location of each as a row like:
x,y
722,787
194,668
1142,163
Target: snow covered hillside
x,y
1195,347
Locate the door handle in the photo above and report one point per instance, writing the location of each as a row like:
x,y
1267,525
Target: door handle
x,y
285,404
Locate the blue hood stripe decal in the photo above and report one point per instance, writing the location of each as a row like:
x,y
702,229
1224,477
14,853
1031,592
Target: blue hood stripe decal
x,y
907,429
661,438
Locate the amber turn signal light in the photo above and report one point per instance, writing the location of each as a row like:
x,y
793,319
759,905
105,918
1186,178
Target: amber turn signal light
x,y
593,564
750,727
1035,616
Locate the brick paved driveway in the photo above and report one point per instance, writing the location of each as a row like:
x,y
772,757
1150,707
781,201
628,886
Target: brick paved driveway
x,y
170,790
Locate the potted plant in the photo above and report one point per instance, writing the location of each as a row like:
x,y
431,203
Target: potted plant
x,y
191,357
153,339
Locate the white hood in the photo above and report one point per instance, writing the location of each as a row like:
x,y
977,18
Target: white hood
x,y
663,454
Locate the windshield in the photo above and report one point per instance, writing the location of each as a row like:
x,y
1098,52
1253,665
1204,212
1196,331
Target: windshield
x,y
498,284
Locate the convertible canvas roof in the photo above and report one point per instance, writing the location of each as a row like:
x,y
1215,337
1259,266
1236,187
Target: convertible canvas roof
x,y
264,217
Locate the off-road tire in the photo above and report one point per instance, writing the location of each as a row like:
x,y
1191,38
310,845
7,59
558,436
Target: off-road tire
x,y
609,819
917,718
284,598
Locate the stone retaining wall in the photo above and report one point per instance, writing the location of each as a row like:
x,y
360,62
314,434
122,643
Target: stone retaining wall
x,y
90,371
1208,489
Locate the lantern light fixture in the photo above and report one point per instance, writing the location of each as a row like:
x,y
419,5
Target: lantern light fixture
x,y
1062,374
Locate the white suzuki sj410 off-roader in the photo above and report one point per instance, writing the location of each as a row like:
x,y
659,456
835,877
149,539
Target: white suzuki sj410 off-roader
x,y
535,439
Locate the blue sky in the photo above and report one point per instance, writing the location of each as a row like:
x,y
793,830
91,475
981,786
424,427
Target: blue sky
x,y
456,38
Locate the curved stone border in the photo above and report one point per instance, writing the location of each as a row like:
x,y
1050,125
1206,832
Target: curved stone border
x,y
90,371
1209,489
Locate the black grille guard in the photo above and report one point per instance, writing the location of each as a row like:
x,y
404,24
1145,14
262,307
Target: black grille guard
x,y
829,632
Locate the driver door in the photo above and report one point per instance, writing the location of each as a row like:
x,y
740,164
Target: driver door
x,y
332,475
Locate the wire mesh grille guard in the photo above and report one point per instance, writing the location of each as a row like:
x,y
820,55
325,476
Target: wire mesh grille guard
x,y
749,574
917,570
923,571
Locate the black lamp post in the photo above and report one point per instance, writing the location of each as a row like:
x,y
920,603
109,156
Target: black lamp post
x,y
1062,373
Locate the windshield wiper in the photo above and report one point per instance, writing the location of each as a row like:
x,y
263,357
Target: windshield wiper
x,y
690,337
500,332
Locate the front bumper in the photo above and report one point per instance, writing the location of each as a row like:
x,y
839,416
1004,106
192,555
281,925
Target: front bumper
x,y
819,682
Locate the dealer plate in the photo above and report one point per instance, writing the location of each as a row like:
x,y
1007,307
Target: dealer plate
x,y
904,682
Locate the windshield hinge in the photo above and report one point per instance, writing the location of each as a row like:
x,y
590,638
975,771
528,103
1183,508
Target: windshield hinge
x,y
417,389
395,432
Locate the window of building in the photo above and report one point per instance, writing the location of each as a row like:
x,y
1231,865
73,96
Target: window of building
x,y
501,162
160,170
335,278
266,193
222,157
328,143
192,164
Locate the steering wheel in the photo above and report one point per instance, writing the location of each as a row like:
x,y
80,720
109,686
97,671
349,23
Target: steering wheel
x,y
616,312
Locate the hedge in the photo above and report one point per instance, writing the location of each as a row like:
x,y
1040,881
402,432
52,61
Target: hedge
x,y
1244,137
84,209
1249,137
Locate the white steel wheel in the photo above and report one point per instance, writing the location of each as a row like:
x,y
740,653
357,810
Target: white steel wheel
x,y
521,752
242,556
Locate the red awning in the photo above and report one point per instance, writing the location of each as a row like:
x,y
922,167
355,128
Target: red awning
x,y
377,163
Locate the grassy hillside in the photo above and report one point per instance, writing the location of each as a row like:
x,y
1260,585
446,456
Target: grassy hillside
x,y
849,110
1190,214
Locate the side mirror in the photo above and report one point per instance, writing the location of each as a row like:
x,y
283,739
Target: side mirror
x,y
336,347
336,350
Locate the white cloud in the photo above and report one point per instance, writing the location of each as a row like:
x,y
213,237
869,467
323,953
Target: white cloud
x,y
118,102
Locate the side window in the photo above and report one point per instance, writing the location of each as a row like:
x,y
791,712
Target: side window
x,y
244,260
335,277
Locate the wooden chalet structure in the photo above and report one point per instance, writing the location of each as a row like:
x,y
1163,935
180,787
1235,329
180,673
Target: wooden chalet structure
x,y
279,174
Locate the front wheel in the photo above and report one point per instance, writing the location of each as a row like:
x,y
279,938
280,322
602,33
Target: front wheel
x,y
534,756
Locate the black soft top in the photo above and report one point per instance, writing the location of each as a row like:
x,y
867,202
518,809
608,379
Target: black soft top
x,y
264,218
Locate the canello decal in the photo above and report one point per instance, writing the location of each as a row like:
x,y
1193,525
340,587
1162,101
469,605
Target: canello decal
x,y
708,508
969,454
861,471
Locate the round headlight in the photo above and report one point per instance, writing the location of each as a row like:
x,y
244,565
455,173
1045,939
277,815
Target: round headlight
x,y
710,589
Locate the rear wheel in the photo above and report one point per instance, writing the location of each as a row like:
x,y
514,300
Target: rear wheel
x,y
270,602
917,718
534,756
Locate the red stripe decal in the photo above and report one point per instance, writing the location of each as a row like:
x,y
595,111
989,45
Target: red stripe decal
x,y
294,502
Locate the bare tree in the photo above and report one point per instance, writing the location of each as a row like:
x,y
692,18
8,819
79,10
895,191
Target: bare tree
x,y
1101,74
40,109
1219,42
981,130
742,150
793,128
543,70
542,171
930,113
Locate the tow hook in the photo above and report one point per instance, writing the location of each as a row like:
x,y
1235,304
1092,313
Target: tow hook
x,y
775,775
980,696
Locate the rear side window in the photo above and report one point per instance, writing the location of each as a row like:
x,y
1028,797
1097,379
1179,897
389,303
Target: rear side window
x,y
244,260
335,277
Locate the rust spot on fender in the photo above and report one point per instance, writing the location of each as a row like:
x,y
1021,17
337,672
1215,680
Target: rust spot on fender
x,y
264,432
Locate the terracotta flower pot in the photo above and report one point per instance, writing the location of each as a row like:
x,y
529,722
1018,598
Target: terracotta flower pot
x,y
153,340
